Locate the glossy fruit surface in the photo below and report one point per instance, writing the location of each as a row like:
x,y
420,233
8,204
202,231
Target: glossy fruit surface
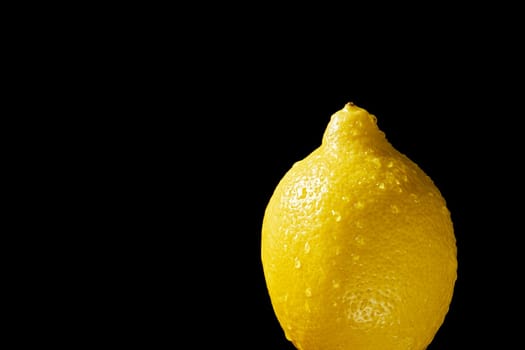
x,y
358,246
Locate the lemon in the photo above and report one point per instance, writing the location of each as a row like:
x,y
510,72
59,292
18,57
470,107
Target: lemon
x,y
358,247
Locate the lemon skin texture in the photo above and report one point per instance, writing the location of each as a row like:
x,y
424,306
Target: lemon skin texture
x,y
358,246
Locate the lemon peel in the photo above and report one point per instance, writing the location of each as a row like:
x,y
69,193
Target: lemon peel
x,y
357,244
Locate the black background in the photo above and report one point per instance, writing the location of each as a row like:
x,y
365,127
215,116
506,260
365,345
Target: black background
x,y
167,139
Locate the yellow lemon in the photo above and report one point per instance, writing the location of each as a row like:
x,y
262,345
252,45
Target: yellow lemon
x,y
358,246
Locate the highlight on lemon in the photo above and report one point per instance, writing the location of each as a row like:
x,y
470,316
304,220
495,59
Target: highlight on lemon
x,y
357,244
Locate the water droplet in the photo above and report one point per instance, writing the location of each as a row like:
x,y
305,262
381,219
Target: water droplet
x,y
302,193
394,209
308,292
376,162
283,298
359,224
297,263
390,164
414,197
287,336
337,250
336,215
355,257
345,199
307,247
359,205
336,284
285,247
360,240
381,185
